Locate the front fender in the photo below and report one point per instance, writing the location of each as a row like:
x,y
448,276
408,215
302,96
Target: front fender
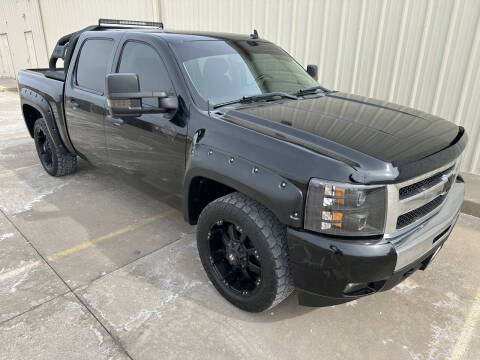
x,y
276,193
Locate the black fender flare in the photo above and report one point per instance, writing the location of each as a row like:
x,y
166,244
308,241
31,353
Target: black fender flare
x,y
39,103
273,191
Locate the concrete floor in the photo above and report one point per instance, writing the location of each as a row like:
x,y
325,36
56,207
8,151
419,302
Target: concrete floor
x,y
94,267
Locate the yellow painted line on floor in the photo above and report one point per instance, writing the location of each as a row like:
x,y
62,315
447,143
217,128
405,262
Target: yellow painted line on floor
x,y
461,347
90,243
86,244
17,169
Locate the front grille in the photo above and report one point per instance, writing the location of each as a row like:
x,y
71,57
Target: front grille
x,y
411,201
412,216
420,186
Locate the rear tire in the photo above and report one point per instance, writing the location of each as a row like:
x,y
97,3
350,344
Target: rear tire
x,y
243,248
56,161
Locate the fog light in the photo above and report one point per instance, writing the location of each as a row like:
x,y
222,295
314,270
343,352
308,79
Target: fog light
x,y
351,287
362,289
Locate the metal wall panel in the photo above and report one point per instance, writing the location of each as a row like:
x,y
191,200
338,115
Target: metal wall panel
x,y
48,20
420,53
18,17
61,17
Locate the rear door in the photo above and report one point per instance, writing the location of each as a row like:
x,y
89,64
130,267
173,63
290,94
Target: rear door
x,y
85,99
151,145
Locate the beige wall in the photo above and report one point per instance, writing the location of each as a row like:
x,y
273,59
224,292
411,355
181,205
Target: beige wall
x,y
16,18
48,20
420,53
61,17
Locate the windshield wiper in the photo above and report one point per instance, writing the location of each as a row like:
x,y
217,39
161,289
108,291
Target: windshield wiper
x,y
312,90
259,97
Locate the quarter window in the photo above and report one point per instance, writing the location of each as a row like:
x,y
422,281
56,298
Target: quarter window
x,y
92,64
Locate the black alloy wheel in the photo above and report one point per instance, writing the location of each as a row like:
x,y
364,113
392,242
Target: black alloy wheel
x,y
44,148
55,159
234,258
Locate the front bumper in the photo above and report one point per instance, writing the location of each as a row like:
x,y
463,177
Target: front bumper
x,y
329,270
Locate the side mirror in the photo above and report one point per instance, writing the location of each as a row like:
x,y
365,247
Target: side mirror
x,y
125,98
312,70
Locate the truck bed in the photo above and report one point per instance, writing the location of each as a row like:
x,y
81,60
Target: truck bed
x,y
57,74
45,82
48,85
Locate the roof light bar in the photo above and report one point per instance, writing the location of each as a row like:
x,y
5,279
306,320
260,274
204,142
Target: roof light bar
x,y
129,23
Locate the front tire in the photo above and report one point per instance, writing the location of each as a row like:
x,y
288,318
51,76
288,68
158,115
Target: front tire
x,y
243,248
56,161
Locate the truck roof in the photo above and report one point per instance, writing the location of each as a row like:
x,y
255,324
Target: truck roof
x,y
158,28
182,35
65,45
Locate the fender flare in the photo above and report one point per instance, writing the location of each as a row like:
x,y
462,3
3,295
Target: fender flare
x,y
39,103
273,191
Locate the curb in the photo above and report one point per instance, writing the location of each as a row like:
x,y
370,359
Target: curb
x,y
11,89
470,208
471,202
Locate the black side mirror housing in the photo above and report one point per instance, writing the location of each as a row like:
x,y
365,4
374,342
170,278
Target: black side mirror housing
x,y
312,70
120,91
124,97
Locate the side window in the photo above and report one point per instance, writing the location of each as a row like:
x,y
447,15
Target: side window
x,y
92,64
143,60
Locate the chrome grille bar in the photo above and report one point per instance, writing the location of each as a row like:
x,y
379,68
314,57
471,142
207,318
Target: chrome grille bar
x,y
418,187
427,195
398,207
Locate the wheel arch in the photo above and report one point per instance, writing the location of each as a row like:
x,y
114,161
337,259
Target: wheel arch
x,y
34,106
221,173
30,115
202,191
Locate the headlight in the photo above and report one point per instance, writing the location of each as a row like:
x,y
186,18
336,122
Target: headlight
x,y
345,209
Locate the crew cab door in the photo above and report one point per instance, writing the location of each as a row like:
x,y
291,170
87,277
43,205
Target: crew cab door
x,y
151,146
85,101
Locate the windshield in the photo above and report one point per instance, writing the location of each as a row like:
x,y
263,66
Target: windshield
x,y
222,71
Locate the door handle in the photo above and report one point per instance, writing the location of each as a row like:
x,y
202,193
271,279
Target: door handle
x,y
73,104
115,120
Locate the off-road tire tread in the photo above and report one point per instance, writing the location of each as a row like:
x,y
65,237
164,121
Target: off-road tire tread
x,y
66,162
274,234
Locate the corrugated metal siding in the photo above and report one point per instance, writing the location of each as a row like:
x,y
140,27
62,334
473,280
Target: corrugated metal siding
x,y
16,18
419,53
61,17
48,20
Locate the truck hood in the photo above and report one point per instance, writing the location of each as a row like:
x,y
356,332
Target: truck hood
x,y
385,131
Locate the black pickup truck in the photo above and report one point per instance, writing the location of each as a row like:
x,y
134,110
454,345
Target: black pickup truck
x,y
291,185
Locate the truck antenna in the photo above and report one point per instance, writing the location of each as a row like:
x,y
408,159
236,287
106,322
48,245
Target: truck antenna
x,y
255,34
208,107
